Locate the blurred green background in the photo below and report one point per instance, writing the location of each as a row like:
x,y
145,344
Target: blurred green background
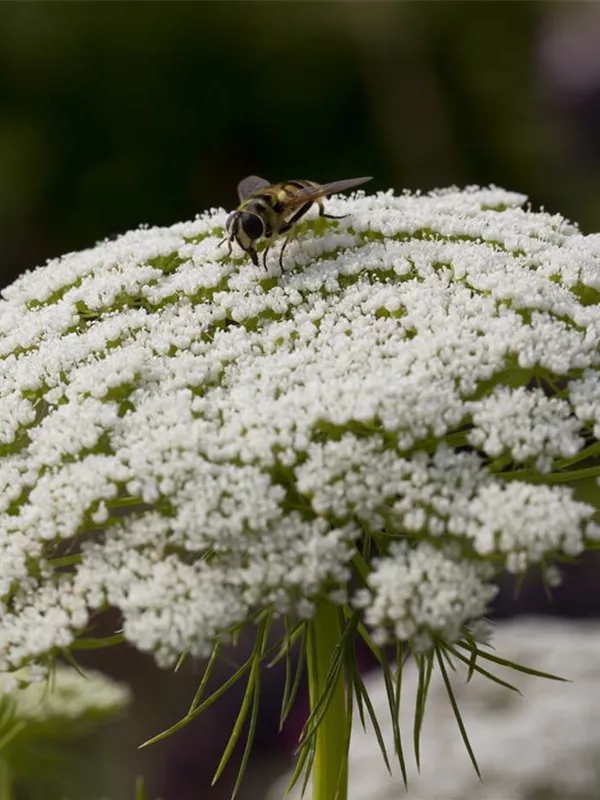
x,y
114,114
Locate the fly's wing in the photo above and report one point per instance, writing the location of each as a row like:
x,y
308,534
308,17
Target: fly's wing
x,y
250,185
309,194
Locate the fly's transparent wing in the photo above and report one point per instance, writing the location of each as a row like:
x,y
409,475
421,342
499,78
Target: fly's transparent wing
x,y
249,185
343,186
311,193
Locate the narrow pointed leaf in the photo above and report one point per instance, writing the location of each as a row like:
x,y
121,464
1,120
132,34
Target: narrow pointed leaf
x,y
291,697
205,678
361,689
394,707
199,709
91,643
485,674
237,728
320,708
11,733
70,659
249,738
289,640
250,693
425,667
180,662
457,714
503,662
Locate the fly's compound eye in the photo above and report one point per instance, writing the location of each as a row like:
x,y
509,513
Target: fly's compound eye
x,y
231,223
252,225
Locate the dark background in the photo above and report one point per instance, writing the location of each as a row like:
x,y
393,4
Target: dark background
x,y
117,114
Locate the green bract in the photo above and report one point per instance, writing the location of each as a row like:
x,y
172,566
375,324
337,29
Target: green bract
x,y
541,743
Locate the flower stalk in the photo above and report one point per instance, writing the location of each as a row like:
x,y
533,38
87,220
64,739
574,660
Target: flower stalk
x,y
5,780
330,768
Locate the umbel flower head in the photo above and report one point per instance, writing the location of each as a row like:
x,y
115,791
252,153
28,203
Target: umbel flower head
x,y
199,440
398,416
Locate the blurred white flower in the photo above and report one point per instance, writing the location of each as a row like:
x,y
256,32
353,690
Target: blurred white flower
x,y
543,744
189,439
65,696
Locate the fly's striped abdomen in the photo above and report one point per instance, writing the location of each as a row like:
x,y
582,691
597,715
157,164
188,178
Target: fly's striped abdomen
x,y
287,192
288,212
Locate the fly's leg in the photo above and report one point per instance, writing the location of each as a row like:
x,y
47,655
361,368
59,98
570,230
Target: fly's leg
x,y
289,226
329,216
265,251
283,246
228,240
253,255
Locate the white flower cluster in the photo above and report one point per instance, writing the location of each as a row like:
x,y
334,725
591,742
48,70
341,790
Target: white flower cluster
x,y
544,743
423,591
525,424
189,439
67,695
584,394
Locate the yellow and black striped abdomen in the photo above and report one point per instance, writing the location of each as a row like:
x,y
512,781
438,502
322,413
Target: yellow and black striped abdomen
x,y
287,193
286,206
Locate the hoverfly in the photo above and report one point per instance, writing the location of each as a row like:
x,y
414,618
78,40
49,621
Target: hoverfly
x,y
268,210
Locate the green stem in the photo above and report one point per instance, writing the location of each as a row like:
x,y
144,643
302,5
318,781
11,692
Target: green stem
x,y
550,478
5,780
330,769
